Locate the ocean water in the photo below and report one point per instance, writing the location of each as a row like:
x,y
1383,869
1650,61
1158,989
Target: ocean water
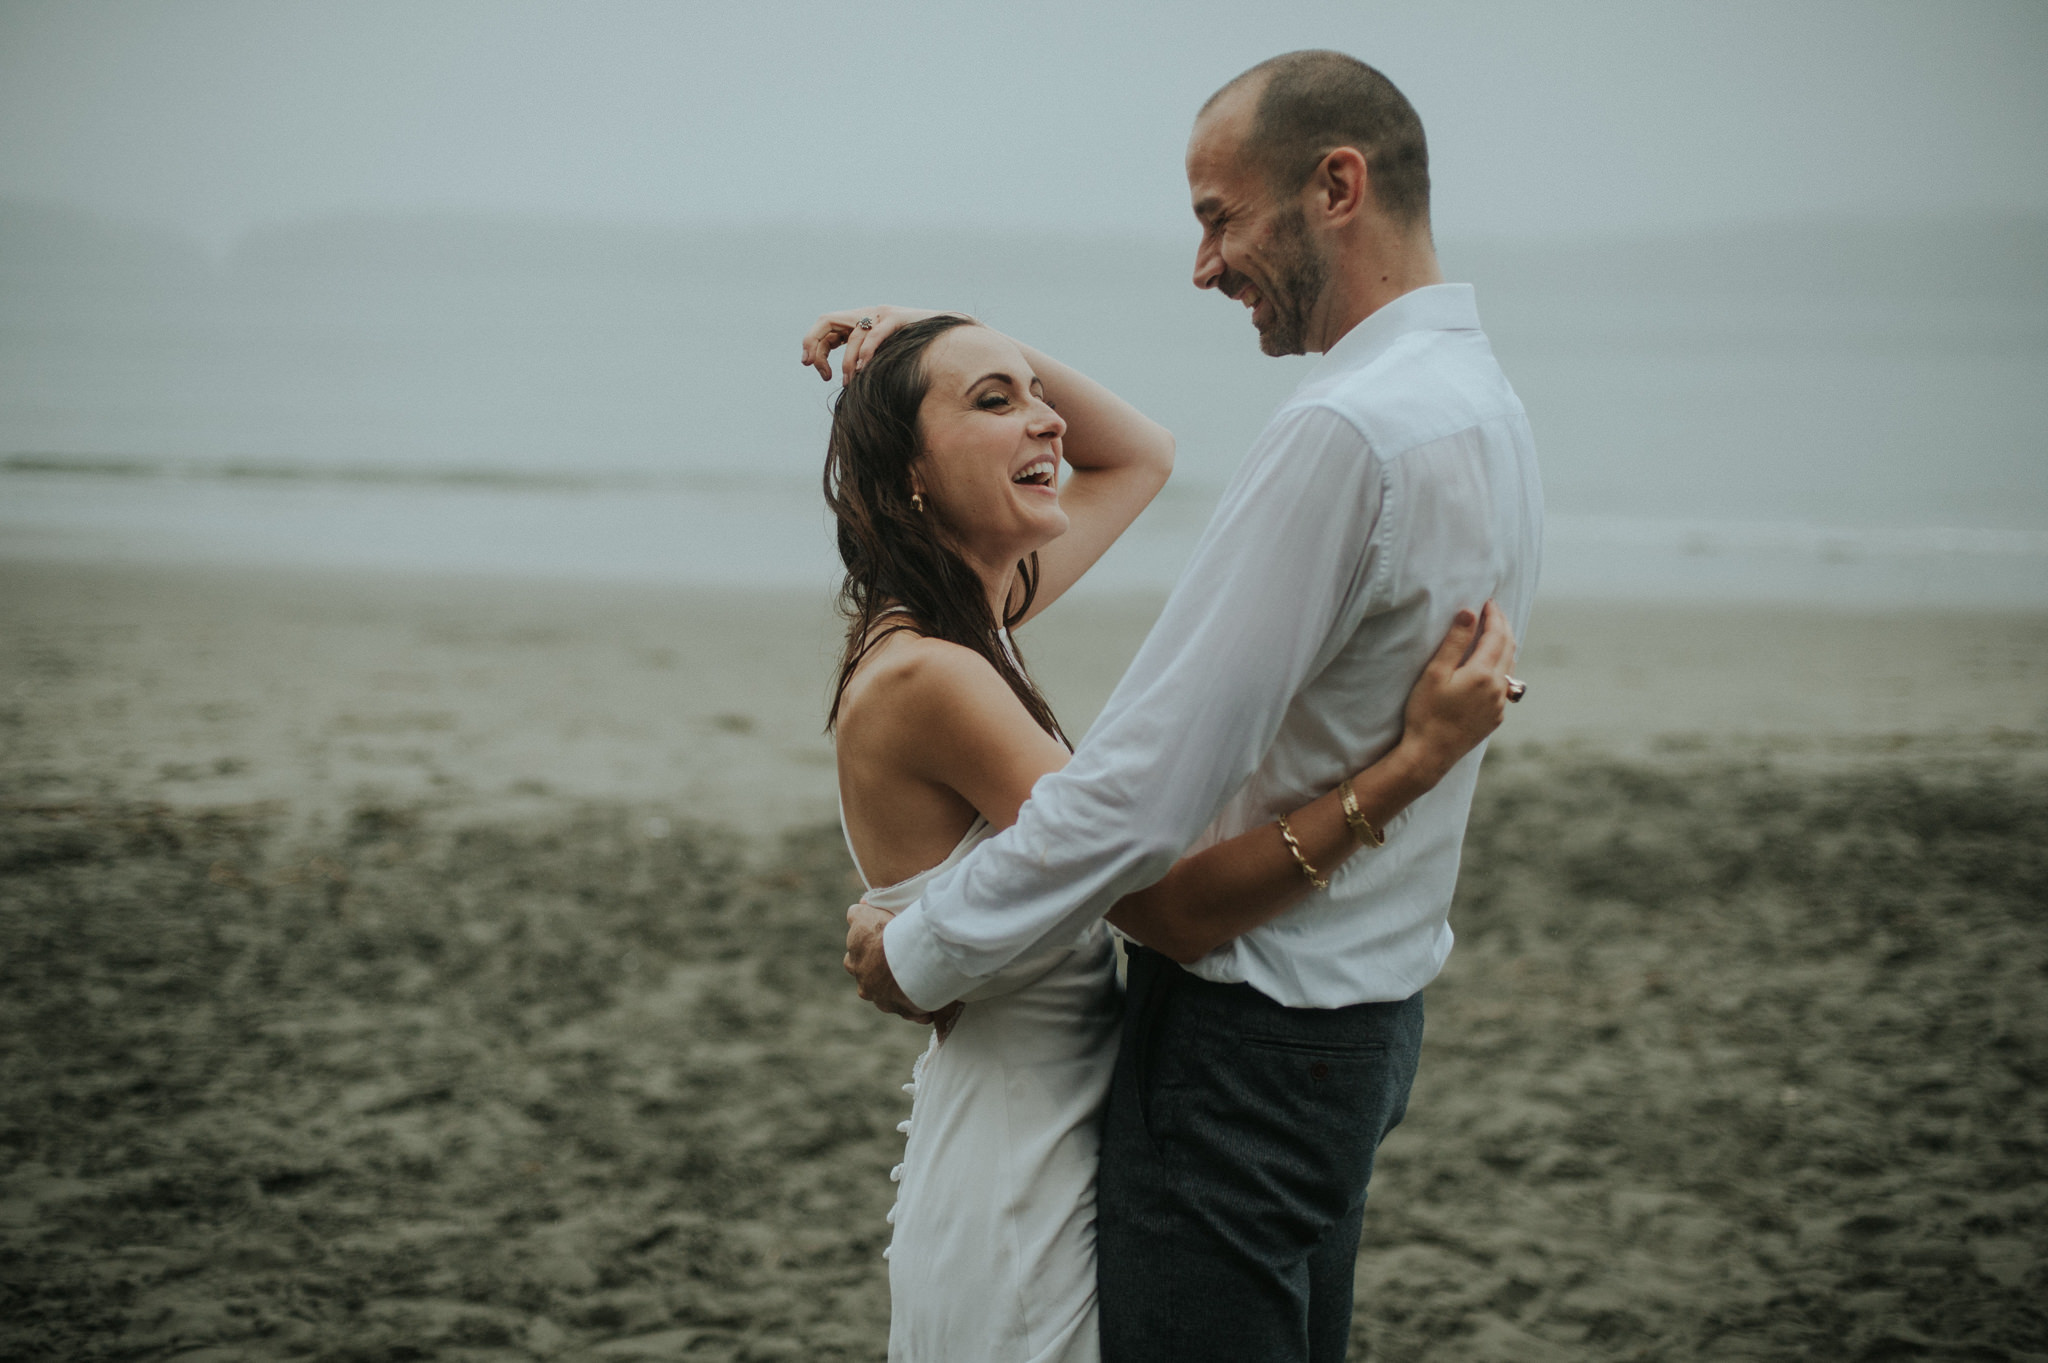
x,y
1845,414
773,532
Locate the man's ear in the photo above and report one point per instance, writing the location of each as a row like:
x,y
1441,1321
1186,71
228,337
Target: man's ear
x,y
1340,185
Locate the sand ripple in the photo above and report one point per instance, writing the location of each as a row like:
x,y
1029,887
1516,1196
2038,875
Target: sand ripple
x,y
1732,1061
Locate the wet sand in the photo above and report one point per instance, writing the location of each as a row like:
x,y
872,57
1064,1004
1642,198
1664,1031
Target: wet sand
x,y
427,968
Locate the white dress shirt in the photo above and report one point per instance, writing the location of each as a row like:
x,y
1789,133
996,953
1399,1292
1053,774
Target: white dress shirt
x,y
1396,486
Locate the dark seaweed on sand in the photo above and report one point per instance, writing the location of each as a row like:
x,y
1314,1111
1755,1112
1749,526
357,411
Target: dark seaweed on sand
x,y
1731,1062
411,1089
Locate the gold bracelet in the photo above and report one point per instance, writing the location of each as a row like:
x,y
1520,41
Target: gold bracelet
x,y
1367,835
1319,881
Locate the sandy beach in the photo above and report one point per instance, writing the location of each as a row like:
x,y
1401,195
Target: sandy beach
x,y
448,968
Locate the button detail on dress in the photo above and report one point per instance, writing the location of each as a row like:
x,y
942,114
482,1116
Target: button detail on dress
x,y
896,1174
904,1126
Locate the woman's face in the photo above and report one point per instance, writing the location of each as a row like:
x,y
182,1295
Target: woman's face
x,y
991,461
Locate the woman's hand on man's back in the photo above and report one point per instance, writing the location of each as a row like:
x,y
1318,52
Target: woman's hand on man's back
x,y
1462,695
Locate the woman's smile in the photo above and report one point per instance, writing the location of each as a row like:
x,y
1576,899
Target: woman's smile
x,y
1041,475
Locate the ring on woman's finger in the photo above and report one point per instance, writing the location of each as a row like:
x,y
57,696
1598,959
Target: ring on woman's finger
x,y
1516,689
866,324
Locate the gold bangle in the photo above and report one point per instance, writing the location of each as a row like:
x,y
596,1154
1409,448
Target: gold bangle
x,y
1319,881
1367,835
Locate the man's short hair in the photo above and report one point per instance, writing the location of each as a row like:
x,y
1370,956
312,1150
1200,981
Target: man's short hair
x,y
1314,102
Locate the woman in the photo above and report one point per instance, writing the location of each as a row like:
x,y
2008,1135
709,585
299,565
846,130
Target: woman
x,y
943,472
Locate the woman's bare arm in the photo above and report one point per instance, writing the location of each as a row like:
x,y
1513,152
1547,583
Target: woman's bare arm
x,y
1227,890
1118,459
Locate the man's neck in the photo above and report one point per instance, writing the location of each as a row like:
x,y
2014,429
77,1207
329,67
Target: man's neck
x,y
1369,274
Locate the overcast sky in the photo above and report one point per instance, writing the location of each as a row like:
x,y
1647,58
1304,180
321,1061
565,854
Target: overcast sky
x,y
1544,119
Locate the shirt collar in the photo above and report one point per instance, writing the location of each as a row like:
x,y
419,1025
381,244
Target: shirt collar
x,y
1434,307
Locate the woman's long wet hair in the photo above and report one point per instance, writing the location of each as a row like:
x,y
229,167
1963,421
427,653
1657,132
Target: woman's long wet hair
x,y
901,566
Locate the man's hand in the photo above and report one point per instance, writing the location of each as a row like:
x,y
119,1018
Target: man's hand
x,y
869,964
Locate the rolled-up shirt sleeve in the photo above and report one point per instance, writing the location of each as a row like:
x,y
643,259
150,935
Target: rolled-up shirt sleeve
x,y
1283,572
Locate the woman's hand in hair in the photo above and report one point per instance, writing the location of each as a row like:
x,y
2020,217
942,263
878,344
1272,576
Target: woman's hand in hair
x,y
835,329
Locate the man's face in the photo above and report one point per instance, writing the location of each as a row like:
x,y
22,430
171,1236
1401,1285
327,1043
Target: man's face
x,y
1255,246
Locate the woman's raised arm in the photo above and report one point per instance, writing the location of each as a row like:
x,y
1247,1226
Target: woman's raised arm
x,y
1119,459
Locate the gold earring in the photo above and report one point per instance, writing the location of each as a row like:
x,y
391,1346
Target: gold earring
x,y
917,500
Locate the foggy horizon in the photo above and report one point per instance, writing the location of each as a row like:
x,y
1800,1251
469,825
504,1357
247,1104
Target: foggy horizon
x,y
222,116
220,249
1747,265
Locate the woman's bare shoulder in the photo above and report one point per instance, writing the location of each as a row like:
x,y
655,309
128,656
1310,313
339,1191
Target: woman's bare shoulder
x,y
932,716
908,677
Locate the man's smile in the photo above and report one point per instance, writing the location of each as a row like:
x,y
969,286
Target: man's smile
x,y
1239,289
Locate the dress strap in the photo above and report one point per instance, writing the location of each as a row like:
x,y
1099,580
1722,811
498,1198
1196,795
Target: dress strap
x,y
847,834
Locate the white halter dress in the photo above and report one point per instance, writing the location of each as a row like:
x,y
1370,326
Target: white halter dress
x,y
993,1259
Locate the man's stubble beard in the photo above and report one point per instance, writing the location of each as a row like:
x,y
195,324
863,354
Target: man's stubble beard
x,y
1298,277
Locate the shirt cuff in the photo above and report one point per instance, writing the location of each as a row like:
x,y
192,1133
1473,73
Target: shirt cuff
x,y
924,975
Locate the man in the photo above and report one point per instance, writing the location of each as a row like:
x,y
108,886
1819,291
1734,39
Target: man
x,y
1397,486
